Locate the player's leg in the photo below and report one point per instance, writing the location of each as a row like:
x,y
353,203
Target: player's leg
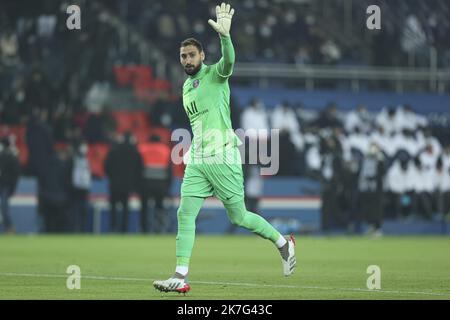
x,y
240,216
194,189
228,182
186,215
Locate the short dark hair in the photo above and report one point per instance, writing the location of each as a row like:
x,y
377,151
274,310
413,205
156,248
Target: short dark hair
x,y
192,42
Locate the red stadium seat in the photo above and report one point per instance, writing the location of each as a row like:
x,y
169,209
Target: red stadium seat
x,y
141,119
145,86
161,85
124,120
143,77
131,121
123,75
146,94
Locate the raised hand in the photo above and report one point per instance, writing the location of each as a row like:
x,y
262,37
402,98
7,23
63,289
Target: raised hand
x,y
224,14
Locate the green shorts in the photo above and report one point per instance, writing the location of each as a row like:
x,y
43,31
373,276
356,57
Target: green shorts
x,y
220,176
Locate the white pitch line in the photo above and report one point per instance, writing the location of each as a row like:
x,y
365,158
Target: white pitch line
x,y
313,287
241,284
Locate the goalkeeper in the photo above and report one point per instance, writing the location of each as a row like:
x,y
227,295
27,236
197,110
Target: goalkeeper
x,y
214,165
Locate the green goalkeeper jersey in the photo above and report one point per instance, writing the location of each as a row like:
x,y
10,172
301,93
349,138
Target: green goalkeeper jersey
x,y
206,100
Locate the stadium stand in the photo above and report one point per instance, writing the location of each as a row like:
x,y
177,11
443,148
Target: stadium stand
x,y
129,81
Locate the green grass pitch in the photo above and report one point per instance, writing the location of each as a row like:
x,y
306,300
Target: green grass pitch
x,y
224,267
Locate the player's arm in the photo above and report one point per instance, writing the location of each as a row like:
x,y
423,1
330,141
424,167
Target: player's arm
x,y
224,15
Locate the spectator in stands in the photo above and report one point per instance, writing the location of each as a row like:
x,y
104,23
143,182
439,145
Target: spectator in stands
x,y
39,139
155,184
400,187
429,163
312,152
428,159
305,116
433,141
160,113
442,188
413,37
53,193
446,158
350,163
99,127
9,47
313,161
387,119
409,120
330,51
424,187
97,96
358,118
331,169
254,117
80,177
328,118
166,28
357,140
404,142
9,175
16,109
370,187
265,28
302,57
291,141
39,92
283,118
62,124
383,141
255,122
123,167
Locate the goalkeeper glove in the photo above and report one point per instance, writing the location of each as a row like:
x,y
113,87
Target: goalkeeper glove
x,y
224,15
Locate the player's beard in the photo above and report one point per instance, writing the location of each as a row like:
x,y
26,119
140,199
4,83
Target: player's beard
x,y
192,71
